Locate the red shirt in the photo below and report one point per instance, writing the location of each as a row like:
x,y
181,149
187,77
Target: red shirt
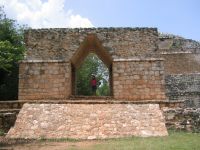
x,y
93,82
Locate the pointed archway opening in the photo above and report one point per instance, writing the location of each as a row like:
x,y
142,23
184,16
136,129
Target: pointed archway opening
x,y
92,66
91,51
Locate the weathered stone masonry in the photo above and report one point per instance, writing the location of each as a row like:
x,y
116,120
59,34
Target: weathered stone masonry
x,y
181,55
61,44
184,87
44,80
139,79
46,72
88,121
182,69
187,119
138,74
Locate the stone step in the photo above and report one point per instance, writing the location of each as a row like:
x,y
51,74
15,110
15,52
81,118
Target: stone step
x,y
5,111
88,100
15,104
91,97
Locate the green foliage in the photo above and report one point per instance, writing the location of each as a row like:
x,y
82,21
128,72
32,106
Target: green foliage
x,y
104,89
11,51
92,65
9,55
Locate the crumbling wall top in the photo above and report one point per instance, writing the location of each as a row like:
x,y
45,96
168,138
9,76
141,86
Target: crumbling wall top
x,y
62,43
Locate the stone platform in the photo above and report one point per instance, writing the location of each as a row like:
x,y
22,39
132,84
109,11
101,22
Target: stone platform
x,y
88,120
10,109
17,104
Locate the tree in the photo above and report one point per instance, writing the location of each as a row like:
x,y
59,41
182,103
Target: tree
x,y
92,65
11,51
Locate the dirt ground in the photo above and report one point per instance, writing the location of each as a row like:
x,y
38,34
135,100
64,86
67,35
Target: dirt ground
x,y
6,144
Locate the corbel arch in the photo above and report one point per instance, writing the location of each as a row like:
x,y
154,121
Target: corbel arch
x,y
91,44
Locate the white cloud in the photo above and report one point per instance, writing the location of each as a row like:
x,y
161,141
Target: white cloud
x,y
39,14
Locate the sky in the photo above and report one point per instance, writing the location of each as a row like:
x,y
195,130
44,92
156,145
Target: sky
x,y
178,17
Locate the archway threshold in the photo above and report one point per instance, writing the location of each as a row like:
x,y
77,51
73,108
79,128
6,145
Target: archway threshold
x,y
81,97
19,103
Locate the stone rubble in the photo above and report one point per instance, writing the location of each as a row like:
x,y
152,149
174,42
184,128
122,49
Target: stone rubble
x,y
187,119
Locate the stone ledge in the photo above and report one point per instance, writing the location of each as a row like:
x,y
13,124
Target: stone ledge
x,y
8,111
181,74
180,51
19,104
138,59
94,29
172,53
43,61
85,101
180,93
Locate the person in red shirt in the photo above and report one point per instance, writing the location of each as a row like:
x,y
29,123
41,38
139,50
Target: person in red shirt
x,y
93,84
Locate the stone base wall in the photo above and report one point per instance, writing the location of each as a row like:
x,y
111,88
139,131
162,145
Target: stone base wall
x,y
187,119
88,121
184,87
138,79
44,80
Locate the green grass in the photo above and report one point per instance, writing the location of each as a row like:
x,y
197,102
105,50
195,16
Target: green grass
x,y
175,141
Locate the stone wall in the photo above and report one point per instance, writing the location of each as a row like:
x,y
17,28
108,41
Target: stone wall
x,y
182,56
51,45
181,63
61,44
172,44
187,119
7,120
184,87
138,79
88,121
182,68
182,78
45,73
44,80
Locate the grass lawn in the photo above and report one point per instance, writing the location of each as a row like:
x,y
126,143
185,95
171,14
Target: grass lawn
x,y
175,141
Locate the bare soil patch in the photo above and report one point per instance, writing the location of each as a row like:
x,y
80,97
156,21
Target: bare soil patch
x,y
25,144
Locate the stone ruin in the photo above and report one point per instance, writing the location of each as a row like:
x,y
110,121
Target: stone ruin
x,y
182,69
54,55
145,71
